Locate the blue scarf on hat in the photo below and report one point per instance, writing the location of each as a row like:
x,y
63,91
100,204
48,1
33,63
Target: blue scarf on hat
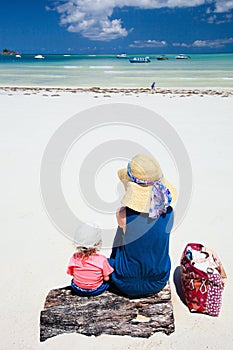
x,y
160,195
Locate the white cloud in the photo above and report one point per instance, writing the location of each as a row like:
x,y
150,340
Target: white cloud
x,y
92,18
223,5
206,43
148,43
214,19
212,43
181,45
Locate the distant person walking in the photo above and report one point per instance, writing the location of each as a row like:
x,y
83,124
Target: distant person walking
x,y
153,85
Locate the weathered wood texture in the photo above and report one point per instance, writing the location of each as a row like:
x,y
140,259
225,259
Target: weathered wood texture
x,y
108,313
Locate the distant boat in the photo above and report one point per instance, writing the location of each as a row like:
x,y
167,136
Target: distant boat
x,y
182,57
122,55
140,60
18,56
38,57
66,55
162,58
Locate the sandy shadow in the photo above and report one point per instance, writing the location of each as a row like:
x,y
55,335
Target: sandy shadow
x,y
177,282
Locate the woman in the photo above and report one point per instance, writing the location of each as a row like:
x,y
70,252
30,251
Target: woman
x,y
140,254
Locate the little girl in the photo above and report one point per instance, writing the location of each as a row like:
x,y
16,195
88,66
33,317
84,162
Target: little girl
x,y
90,270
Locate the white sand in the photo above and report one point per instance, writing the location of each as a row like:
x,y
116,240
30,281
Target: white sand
x,y
34,254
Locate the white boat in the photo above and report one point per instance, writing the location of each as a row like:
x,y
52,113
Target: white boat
x,y
18,56
66,55
38,57
140,60
122,55
182,57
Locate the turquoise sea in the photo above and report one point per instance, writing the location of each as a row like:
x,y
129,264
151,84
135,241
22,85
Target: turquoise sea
x,y
201,70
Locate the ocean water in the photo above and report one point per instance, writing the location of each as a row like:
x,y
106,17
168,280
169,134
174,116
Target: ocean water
x,y
202,70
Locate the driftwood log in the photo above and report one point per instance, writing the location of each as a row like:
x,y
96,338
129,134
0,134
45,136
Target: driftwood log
x,y
108,313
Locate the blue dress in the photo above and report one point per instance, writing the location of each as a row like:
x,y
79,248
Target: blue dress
x,y
140,257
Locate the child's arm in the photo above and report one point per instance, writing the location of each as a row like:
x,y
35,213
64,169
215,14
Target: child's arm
x,y
107,270
70,267
69,270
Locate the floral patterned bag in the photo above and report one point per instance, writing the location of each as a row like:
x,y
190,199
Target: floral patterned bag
x,y
202,278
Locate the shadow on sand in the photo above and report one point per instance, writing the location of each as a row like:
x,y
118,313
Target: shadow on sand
x,y
177,282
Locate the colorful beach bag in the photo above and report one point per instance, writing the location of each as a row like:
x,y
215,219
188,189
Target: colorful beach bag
x,y
202,279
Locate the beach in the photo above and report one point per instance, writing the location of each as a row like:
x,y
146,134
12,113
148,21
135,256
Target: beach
x,y
34,253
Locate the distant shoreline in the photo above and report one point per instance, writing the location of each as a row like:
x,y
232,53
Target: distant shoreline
x,y
224,92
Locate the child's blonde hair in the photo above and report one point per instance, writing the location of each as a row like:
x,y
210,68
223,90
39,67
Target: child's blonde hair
x,y
83,252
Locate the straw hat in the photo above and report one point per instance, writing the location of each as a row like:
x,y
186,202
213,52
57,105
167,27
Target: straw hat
x,y
87,236
138,196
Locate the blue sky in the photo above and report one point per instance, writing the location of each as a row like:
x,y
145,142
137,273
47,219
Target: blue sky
x,y
115,26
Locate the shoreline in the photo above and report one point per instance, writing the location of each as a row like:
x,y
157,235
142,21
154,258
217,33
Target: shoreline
x,y
224,92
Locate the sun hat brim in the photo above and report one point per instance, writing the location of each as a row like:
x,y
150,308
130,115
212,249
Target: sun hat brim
x,y
138,197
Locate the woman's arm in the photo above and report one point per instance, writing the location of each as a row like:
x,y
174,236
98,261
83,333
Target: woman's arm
x,y
121,218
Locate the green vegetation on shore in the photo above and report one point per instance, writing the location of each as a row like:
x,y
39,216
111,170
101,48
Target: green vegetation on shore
x,y
9,52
